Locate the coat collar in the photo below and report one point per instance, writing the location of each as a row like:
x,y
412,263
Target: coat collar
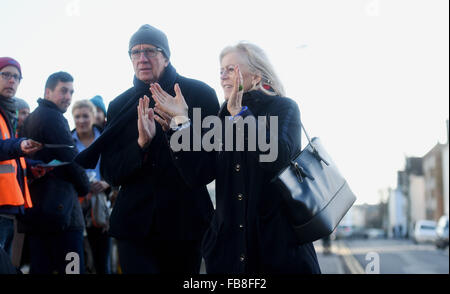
x,y
166,81
250,98
94,128
48,103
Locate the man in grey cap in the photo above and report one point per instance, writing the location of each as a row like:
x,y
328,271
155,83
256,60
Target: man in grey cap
x,y
157,219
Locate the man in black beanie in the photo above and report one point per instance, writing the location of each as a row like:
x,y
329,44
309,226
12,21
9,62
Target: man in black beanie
x,y
157,219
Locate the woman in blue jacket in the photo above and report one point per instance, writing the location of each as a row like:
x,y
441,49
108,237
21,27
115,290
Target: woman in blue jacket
x,y
84,134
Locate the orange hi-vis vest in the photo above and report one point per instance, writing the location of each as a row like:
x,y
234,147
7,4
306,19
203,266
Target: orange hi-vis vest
x,y
10,192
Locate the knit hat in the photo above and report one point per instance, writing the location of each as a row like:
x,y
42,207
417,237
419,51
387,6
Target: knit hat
x,y
20,103
5,61
152,36
98,101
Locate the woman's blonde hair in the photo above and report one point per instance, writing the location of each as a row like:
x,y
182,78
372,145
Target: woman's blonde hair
x,y
258,63
84,103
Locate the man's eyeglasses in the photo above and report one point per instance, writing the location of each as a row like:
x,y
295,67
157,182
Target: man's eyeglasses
x,y
148,52
7,76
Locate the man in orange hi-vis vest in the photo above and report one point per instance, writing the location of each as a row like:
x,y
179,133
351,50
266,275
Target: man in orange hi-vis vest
x,y
14,194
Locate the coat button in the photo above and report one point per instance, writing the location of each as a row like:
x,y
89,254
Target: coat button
x,y
237,167
242,258
240,196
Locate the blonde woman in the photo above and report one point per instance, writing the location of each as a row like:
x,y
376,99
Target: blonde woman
x,y
84,113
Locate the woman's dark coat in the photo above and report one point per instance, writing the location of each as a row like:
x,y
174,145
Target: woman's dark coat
x,y
250,232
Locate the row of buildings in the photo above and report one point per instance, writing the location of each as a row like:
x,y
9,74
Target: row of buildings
x,y
422,193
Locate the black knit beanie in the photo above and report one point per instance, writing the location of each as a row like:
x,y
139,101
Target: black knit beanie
x,y
152,36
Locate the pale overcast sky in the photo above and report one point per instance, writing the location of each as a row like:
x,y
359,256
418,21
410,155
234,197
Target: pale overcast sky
x,y
370,76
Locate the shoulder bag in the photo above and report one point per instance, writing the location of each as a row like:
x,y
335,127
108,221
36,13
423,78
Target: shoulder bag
x,y
316,194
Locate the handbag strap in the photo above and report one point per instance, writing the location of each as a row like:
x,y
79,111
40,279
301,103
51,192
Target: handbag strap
x,y
306,133
315,152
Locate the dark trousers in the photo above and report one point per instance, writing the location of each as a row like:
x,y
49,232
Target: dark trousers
x,y
6,233
100,244
48,252
6,267
147,256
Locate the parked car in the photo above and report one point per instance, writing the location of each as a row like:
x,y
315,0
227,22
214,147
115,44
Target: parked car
x,y
359,233
375,233
442,233
343,231
425,231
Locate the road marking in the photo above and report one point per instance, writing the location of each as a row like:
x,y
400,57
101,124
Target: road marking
x,y
358,248
329,263
352,264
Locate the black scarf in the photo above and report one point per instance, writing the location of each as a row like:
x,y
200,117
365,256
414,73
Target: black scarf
x,y
9,108
89,157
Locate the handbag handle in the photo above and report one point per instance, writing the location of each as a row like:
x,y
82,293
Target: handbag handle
x,y
299,171
315,152
306,133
